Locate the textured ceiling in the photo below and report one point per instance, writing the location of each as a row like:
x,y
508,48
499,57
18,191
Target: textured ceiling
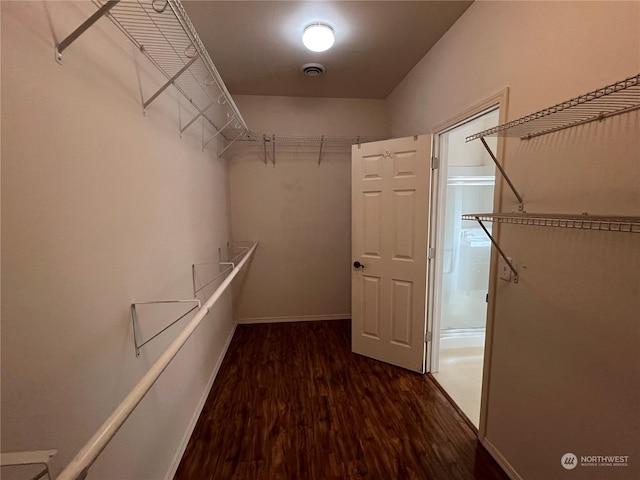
x,y
257,46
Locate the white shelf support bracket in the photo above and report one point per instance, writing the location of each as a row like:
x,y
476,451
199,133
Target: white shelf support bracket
x,y
73,36
264,147
226,267
170,82
134,318
218,132
37,457
504,174
273,148
232,142
321,147
502,254
192,121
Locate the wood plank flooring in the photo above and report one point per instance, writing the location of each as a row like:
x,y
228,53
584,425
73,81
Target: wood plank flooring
x,y
292,402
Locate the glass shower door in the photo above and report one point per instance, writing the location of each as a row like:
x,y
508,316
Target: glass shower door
x,y
467,251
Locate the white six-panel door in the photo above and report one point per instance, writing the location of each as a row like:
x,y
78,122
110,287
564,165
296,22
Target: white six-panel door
x,y
390,196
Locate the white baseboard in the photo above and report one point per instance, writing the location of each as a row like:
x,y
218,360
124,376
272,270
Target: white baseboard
x,y
196,415
497,456
463,341
301,318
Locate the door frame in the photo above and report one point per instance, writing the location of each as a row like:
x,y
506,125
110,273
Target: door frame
x,y
499,100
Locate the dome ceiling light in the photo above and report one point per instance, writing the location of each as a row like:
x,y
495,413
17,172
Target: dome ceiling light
x,y
318,37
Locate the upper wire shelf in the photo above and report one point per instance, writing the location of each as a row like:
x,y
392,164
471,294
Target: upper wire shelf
x,y
582,222
269,142
309,140
614,99
162,31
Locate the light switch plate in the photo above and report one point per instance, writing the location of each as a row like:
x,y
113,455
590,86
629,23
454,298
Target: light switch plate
x,y
504,272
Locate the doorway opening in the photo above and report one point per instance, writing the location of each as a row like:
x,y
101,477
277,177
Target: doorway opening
x,y
462,252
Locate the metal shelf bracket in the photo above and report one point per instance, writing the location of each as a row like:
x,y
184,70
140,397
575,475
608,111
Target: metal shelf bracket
x,y
500,251
228,266
37,457
227,262
72,37
218,131
198,115
504,174
273,148
230,143
134,318
169,82
321,146
264,146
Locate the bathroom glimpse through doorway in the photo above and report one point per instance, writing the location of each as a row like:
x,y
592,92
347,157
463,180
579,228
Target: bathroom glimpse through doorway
x,y
465,184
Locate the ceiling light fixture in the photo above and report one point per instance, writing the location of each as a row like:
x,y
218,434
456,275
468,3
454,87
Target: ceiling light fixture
x,y
318,37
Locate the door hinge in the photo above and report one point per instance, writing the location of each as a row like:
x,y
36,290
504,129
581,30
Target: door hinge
x,y
431,253
435,163
427,337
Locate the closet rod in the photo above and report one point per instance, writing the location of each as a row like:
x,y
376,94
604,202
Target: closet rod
x,y
78,468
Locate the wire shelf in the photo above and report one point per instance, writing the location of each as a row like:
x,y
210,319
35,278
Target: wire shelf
x,y
309,140
614,99
582,222
162,31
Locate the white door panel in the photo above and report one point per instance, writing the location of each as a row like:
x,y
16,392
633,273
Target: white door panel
x,y
390,195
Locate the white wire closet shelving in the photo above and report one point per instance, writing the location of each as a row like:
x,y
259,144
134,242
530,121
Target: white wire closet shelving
x,y
619,97
580,222
162,31
614,99
324,143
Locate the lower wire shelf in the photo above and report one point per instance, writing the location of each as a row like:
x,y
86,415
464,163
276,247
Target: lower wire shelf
x,y
582,222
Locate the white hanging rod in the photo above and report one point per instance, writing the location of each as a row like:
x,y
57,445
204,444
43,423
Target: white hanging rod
x,y
78,468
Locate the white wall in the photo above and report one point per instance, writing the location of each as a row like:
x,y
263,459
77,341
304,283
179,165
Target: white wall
x,y
565,371
101,207
299,211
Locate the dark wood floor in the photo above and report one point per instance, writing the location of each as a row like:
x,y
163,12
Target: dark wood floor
x,y
292,402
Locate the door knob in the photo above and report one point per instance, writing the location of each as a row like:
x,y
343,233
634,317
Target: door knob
x,y
357,264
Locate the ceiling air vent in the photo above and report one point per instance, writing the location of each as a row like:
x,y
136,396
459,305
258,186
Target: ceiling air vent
x,y
312,69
